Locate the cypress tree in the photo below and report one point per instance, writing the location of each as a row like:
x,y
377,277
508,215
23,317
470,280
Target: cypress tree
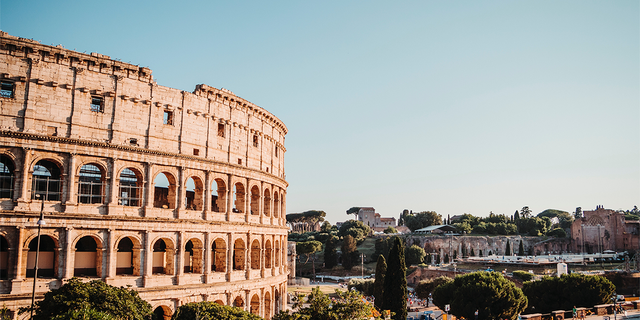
x,y
507,250
330,253
348,248
521,249
378,284
395,282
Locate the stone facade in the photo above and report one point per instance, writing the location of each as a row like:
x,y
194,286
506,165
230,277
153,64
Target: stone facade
x,y
180,195
369,217
604,229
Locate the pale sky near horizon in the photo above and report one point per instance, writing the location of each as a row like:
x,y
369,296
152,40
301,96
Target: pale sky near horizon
x,y
456,107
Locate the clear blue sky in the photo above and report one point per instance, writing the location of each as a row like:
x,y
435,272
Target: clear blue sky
x,y
456,107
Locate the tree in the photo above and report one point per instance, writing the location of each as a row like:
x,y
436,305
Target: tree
x,y
83,314
489,292
378,285
395,282
365,286
521,248
525,212
309,249
326,227
96,295
349,305
354,211
516,216
330,253
427,286
578,213
557,232
507,250
211,310
422,219
348,250
414,255
390,229
302,222
357,229
553,293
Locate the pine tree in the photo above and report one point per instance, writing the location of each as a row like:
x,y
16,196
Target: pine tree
x,y
378,285
348,249
395,282
330,253
507,250
521,249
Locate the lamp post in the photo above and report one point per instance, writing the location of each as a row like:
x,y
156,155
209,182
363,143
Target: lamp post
x,y
362,265
35,273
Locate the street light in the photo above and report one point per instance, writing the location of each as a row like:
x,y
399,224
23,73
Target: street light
x,y
35,274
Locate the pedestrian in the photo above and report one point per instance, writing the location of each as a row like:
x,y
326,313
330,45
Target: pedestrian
x,y
574,312
475,315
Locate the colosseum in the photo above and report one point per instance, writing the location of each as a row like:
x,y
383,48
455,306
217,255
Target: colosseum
x,y
180,195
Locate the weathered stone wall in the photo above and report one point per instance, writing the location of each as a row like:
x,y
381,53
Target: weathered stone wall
x,y
604,229
90,135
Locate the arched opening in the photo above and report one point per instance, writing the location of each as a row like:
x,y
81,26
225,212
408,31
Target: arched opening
x,y
267,254
163,253
267,305
193,256
162,313
46,181
277,256
255,254
255,305
276,205
128,257
7,169
46,258
238,255
4,258
220,302
219,256
276,297
164,191
267,203
90,184
219,196
238,302
88,258
238,198
193,197
255,200
130,188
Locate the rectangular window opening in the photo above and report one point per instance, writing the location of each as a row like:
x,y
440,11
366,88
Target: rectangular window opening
x,y
220,130
255,141
196,152
6,89
168,117
239,161
97,104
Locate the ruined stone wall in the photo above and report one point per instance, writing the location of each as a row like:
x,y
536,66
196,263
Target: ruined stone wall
x,y
84,137
604,229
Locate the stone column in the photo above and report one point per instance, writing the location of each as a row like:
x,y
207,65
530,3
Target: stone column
x,y
283,205
19,268
24,196
71,198
247,257
229,256
180,253
247,200
148,260
262,257
206,201
112,180
229,197
207,256
181,193
112,256
70,254
247,301
148,189
261,204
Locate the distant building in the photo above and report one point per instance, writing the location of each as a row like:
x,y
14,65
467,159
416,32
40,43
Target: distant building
x,y
369,217
604,229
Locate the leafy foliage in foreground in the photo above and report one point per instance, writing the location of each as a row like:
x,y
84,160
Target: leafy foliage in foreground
x,y
488,292
121,303
347,306
552,293
209,310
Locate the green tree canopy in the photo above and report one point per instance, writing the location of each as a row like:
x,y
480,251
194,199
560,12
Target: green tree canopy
x,y
427,286
422,219
348,305
390,229
553,293
378,285
348,252
414,255
489,292
331,253
395,282
211,310
353,211
358,230
75,295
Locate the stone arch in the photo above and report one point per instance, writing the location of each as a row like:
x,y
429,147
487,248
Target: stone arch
x,y
238,195
255,200
47,259
238,254
276,205
4,258
88,257
194,191
255,254
267,254
164,194
47,180
276,299
128,256
90,178
220,302
277,255
219,200
162,313
163,257
7,177
219,255
267,305
238,302
131,186
255,305
193,256
267,202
